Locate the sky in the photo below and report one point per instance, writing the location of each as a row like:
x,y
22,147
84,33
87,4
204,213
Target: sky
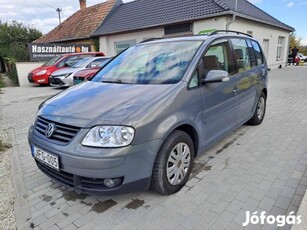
x,y
42,14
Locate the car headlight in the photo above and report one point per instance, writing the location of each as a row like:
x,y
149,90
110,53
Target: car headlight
x,y
62,75
42,72
109,136
67,75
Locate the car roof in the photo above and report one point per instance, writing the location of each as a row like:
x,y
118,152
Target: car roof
x,y
87,53
213,35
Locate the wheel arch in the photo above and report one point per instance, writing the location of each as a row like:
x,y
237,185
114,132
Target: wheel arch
x,y
191,131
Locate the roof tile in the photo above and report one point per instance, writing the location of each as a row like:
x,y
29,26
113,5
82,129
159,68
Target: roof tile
x,y
141,14
79,25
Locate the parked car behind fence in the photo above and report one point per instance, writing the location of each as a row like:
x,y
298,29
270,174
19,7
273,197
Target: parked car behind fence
x,y
41,74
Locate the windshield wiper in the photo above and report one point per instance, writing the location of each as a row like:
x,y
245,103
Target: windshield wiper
x,y
113,81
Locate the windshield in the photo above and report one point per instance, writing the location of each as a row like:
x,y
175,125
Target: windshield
x,y
52,61
159,63
81,63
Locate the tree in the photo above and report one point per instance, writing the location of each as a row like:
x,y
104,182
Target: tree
x,y
14,37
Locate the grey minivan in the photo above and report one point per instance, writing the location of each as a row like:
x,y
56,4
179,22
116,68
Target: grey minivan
x,y
146,115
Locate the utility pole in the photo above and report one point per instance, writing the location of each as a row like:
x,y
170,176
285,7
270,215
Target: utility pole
x,y
59,12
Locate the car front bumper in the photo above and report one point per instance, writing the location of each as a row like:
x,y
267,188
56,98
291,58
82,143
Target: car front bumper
x,y
84,168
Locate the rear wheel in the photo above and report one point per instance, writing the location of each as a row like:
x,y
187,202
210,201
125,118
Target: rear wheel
x,y
173,163
259,112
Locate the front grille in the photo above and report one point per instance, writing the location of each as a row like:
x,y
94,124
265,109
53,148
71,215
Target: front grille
x,y
30,75
62,134
55,81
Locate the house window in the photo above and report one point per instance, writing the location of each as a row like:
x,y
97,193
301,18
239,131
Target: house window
x,y
280,48
266,44
182,28
122,45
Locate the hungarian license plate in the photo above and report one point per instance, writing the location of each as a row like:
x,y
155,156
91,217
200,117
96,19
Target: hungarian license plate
x,y
47,158
77,81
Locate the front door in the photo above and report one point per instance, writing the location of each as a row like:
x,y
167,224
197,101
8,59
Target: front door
x,y
220,101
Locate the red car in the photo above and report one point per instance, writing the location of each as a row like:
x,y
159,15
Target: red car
x,y
41,74
86,74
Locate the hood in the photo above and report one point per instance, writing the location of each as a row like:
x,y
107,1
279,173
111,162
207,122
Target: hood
x,y
87,72
48,68
65,71
95,103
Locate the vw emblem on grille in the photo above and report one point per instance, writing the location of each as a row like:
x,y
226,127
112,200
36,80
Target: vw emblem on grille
x,y
50,130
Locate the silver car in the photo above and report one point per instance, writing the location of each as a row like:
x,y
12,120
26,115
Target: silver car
x,y
149,112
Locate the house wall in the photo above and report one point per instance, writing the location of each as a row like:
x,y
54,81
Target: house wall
x,y
259,31
217,23
107,43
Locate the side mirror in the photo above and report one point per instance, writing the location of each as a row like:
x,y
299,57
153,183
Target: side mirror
x,y
66,65
215,76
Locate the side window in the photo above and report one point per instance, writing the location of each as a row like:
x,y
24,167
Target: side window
x,y
252,53
218,57
259,55
69,61
194,80
241,54
95,63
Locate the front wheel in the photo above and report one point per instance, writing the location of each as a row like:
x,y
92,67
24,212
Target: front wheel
x,y
259,112
173,163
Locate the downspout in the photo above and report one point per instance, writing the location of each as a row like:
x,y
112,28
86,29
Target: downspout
x,y
233,16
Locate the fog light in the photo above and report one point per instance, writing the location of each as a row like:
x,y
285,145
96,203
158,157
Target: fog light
x,y
112,182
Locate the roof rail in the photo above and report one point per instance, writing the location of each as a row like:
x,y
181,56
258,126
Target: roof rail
x,y
229,31
150,39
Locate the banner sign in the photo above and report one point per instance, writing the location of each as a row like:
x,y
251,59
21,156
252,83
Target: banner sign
x,y
44,52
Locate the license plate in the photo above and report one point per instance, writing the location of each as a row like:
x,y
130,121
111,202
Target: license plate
x,y
77,81
47,158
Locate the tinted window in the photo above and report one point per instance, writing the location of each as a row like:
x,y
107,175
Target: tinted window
x,y
258,53
218,57
241,54
158,63
252,53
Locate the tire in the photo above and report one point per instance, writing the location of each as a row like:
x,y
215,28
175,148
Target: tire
x,y
170,171
259,111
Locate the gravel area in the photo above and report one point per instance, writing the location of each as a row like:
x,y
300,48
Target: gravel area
x,y
7,198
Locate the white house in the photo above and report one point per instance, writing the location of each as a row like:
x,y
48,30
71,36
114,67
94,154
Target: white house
x,y
130,23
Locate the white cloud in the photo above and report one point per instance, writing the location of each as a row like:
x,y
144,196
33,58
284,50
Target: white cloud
x,y
304,42
41,14
290,4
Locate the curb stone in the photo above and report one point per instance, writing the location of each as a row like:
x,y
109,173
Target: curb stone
x,y
21,205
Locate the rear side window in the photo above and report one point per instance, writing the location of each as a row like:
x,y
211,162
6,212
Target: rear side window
x,y
241,54
252,53
258,53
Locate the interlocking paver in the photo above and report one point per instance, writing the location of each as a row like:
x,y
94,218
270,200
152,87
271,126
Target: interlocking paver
x,y
263,169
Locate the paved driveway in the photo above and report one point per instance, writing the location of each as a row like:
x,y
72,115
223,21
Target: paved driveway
x,y
254,169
